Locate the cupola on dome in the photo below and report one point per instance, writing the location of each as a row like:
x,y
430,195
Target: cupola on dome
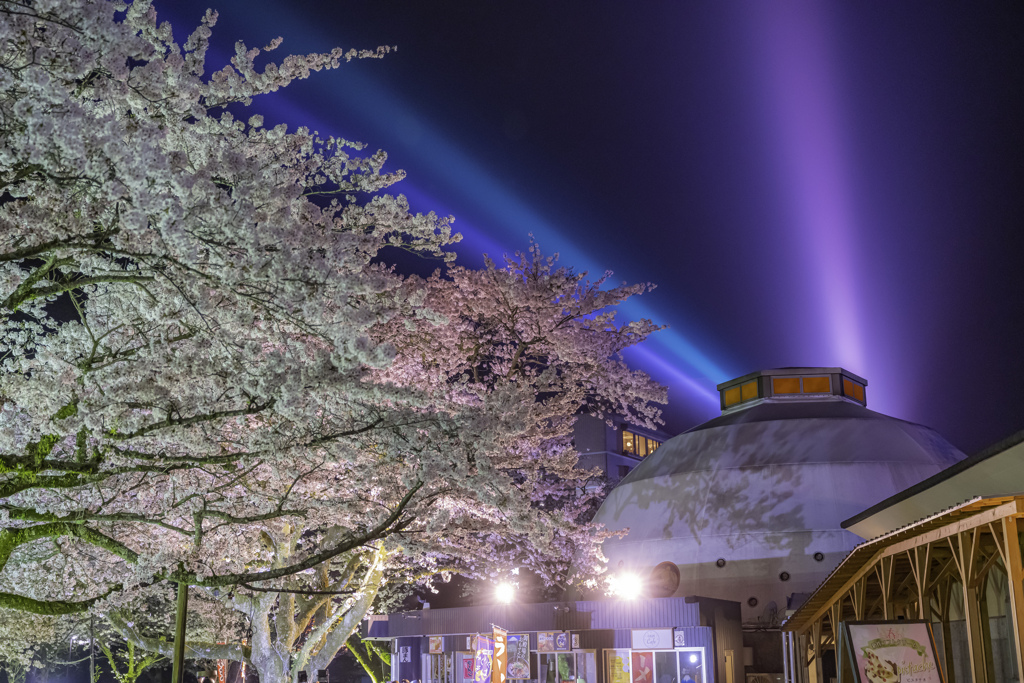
x,y
759,492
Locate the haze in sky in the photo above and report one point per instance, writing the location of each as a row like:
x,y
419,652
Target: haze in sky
x,y
807,183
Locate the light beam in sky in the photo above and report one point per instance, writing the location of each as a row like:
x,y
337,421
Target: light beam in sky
x,y
466,182
802,112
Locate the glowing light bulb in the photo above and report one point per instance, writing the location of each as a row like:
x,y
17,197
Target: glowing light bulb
x,y
693,659
505,593
626,585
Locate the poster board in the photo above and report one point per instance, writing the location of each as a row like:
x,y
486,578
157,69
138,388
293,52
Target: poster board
x,y
892,652
435,644
618,666
553,641
642,665
518,656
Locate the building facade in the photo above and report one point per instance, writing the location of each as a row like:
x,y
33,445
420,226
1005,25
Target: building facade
x,y
658,640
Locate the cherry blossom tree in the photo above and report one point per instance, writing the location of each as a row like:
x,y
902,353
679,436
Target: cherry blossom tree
x,y
209,378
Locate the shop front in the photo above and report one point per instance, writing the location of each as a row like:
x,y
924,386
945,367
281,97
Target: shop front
x,y
668,640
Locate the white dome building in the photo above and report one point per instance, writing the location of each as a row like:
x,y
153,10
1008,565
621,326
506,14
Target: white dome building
x,y
748,506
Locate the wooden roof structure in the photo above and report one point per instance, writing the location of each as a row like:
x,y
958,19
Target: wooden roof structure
x,y
909,573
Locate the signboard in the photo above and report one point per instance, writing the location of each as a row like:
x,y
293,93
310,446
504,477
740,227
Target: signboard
x,y
499,662
519,656
618,666
405,655
680,640
653,639
436,644
484,653
575,641
467,668
642,666
893,652
553,641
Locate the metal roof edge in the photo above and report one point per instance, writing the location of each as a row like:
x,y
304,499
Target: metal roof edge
x,y
937,478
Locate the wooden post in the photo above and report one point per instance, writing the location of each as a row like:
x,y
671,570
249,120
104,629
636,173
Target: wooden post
x,y
816,637
945,590
921,563
885,578
968,547
1015,577
178,665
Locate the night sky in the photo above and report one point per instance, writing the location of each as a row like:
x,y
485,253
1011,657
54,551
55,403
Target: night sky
x,y
807,183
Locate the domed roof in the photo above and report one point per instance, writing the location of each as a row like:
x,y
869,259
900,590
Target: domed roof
x,y
768,482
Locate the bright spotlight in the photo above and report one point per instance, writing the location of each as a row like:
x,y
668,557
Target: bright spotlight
x,y
505,593
693,659
626,586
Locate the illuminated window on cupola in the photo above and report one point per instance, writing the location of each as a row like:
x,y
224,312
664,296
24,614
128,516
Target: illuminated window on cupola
x,y
741,393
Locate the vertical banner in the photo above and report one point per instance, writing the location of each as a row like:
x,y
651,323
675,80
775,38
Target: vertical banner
x,y
519,656
643,667
499,663
484,653
467,669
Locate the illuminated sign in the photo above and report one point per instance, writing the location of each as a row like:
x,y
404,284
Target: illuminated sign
x,y
653,639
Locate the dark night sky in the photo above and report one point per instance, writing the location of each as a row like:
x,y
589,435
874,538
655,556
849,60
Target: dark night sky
x,y
808,183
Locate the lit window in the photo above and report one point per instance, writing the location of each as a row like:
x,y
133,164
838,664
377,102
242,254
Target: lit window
x,y
635,444
732,396
853,390
817,385
749,390
786,385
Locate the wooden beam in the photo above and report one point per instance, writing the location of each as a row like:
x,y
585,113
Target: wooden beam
x,y
992,514
944,571
982,572
1015,577
850,583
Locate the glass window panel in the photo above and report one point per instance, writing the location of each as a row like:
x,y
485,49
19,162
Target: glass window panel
x,y
567,668
548,672
853,390
586,667
749,390
691,665
786,385
628,445
816,385
652,445
732,396
641,445
665,667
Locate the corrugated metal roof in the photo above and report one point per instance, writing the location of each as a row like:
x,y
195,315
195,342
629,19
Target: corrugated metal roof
x,y
549,616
